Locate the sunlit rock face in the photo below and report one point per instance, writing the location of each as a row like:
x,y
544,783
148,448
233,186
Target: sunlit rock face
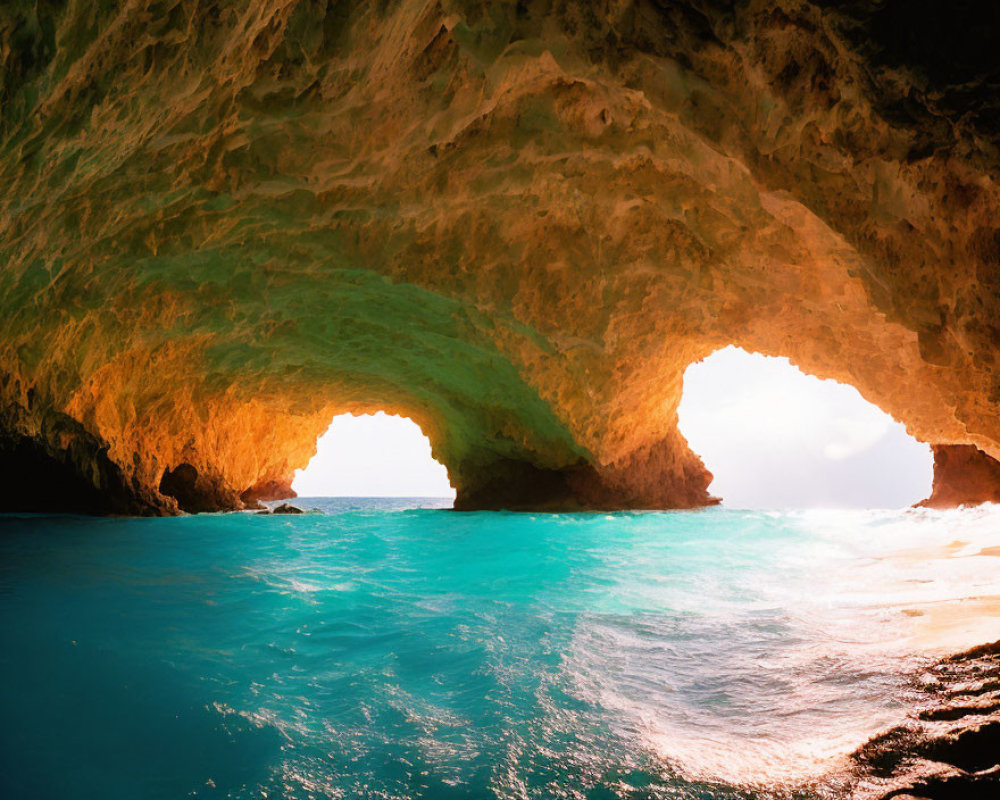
x,y
221,224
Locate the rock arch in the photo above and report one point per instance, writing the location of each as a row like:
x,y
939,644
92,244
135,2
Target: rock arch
x,y
519,221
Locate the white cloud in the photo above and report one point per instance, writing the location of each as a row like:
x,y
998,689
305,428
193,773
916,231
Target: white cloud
x,y
850,436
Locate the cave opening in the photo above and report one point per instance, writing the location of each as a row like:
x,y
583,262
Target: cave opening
x,y
374,455
774,437
195,491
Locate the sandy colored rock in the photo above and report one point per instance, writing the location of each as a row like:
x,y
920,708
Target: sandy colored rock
x,y
516,223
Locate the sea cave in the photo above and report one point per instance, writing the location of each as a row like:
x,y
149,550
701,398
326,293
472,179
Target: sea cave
x,y
518,225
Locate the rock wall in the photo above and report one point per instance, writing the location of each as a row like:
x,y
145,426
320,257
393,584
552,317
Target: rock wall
x,y
223,223
963,474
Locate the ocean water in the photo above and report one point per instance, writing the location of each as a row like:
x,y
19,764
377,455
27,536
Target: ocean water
x,y
373,650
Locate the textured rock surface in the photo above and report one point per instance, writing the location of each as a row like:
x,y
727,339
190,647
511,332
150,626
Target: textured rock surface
x,y
223,223
963,474
950,750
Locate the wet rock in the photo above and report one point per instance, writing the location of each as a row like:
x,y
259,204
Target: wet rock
x,y
950,750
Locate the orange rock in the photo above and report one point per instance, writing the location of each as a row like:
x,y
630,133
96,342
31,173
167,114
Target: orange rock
x,y
515,224
963,475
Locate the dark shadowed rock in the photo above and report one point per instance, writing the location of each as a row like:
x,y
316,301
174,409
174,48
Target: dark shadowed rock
x,y
284,508
950,750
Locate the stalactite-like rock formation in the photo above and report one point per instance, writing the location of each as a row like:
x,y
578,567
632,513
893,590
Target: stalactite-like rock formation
x,y
518,223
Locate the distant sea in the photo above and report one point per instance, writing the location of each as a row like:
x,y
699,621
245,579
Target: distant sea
x,y
377,648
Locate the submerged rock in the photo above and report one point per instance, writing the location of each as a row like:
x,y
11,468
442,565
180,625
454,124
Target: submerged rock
x,y
284,508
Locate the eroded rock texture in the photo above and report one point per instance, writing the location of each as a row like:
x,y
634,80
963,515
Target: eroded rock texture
x,y
963,474
950,750
222,223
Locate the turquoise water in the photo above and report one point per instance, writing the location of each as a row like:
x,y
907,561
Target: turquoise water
x,y
376,652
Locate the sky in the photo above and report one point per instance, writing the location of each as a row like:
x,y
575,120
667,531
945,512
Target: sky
x,y
777,438
772,436
375,455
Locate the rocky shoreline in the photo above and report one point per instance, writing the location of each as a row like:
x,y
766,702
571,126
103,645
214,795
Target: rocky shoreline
x,y
950,747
